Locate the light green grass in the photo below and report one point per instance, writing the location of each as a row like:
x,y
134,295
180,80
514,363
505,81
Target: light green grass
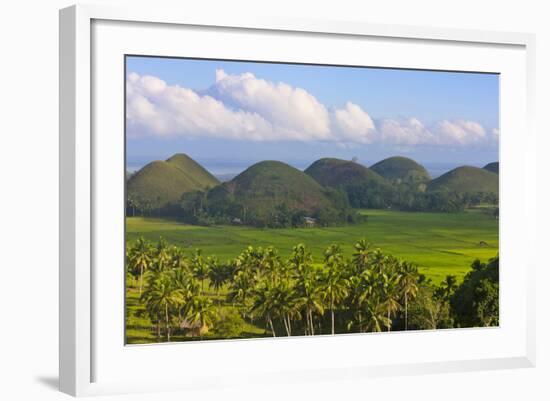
x,y
440,243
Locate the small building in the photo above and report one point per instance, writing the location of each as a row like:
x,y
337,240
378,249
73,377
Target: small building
x,y
310,221
236,220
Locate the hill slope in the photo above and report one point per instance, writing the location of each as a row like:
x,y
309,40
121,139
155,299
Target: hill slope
x,y
492,167
336,172
364,187
466,179
401,170
259,190
163,182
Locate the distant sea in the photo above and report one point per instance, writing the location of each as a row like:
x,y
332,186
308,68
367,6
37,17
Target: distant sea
x,y
226,170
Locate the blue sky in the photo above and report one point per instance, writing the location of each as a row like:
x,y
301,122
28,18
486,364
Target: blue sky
x,y
298,113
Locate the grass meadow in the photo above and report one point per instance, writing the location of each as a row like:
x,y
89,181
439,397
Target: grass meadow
x,y
440,244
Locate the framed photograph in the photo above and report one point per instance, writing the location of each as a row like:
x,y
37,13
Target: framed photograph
x,y
275,200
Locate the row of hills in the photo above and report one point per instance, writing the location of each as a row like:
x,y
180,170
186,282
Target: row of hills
x,y
267,184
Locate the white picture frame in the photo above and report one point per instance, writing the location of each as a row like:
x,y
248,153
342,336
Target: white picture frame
x,y
85,348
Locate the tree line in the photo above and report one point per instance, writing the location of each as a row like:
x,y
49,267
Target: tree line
x,y
201,207
370,291
414,197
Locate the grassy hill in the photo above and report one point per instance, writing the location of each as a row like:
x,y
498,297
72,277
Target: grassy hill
x,y
466,179
493,167
263,187
364,187
336,173
401,170
163,182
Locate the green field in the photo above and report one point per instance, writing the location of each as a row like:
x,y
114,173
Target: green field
x,y
440,243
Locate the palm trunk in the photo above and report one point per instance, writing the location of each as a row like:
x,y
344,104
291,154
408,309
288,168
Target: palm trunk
x,y
389,320
406,315
167,322
140,280
287,327
272,328
332,315
311,322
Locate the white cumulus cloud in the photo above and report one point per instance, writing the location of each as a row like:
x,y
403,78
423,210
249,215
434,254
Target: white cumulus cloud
x,y
404,132
243,106
460,132
352,124
289,109
155,108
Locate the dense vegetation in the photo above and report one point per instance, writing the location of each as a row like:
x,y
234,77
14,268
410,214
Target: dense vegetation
x,y
402,184
276,195
475,303
186,296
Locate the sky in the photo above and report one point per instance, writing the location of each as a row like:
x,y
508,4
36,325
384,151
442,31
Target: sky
x,y
230,114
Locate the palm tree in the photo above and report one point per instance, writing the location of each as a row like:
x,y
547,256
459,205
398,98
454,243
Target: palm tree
x,y
361,256
188,286
381,263
408,285
335,284
287,304
311,297
178,259
389,284
365,298
133,203
200,267
217,274
308,287
252,261
162,297
270,264
241,290
140,258
265,304
375,316
355,300
200,310
162,254
300,260
447,288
